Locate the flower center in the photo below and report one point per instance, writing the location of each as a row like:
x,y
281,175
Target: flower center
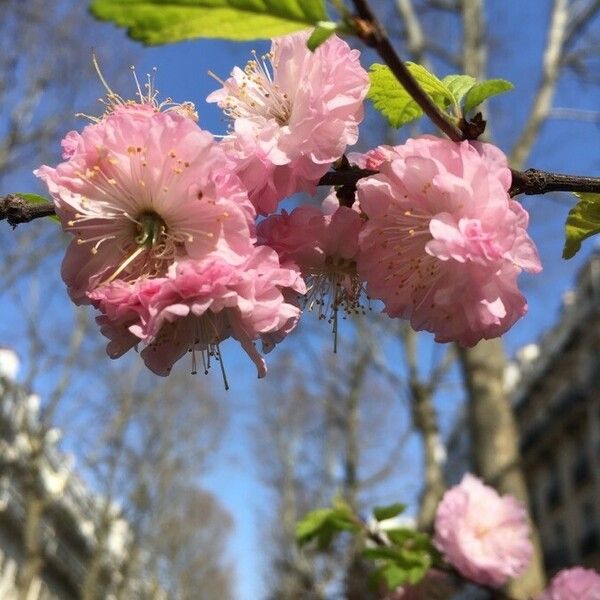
x,y
154,243
334,287
151,229
254,93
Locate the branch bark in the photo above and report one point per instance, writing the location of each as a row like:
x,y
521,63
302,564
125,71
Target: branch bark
x,y
16,210
426,423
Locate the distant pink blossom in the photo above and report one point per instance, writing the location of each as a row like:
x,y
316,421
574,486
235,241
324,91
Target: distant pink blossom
x,y
325,248
444,242
199,304
291,124
574,584
141,189
483,535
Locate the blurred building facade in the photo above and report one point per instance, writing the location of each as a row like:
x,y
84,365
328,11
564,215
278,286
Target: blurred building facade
x,y
555,389
35,475
557,402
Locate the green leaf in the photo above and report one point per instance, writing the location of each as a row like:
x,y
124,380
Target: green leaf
x,y
416,574
165,21
583,221
322,32
391,99
459,85
393,575
309,526
323,524
484,90
382,553
388,512
36,199
400,536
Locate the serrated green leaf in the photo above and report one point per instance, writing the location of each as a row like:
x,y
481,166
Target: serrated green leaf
x,y
391,99
484,90
323,524
309,526
36,199
388,512
583,221
321,33
459,85
165,21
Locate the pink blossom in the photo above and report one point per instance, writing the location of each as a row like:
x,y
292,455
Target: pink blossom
x,y
483,535
574,584
142,188
69,144
444,242
198,305
288,126
124,305
325,248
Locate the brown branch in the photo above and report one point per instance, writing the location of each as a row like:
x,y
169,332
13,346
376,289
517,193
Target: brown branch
x,y
542,103
15,210
534,182
345,177
372,34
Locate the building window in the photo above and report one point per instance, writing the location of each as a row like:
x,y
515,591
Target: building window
x,y
557,557
553,495
582,471
590,537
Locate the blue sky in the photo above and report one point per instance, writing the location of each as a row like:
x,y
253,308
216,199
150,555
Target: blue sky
x,y
182,74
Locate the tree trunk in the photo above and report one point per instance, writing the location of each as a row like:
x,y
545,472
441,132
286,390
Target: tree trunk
x,y
34,560
495,443
425,422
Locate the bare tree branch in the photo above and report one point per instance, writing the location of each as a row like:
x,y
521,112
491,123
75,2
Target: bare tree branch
x,y
542,102
415,37
474,53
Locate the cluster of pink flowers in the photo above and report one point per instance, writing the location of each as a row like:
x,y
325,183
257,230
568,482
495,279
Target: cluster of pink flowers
x,y
164,217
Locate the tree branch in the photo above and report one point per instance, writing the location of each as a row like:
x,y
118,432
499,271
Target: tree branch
x,y
16,210
534,182
542,103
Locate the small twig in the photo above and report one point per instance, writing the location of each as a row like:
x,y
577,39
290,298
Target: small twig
x,y
345,177
16,210
372,33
